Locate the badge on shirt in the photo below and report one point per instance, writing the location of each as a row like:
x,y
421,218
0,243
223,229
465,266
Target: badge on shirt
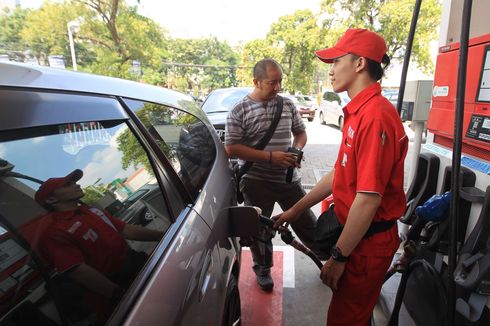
x,y
344,160
383,138
350,132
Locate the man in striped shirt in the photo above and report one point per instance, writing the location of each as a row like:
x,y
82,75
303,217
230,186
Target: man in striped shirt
x,y
265,182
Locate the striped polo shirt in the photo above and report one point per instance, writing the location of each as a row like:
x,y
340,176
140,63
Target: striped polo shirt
x,y
249,121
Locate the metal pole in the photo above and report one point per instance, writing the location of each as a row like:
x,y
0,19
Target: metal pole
x,y
72,46
408,52
456,161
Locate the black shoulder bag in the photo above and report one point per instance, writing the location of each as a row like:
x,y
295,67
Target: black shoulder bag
x,y
240,171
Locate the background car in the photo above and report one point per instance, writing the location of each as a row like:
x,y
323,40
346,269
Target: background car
x,y
304,109
330,111
137,208
124,136
311,100
219,102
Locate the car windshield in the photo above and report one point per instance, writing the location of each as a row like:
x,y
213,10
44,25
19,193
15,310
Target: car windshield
x,y
223,100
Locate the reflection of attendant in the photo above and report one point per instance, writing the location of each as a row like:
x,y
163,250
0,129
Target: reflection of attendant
x,y
87,244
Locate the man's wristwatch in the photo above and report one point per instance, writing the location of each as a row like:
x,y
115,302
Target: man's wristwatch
x,y
337,255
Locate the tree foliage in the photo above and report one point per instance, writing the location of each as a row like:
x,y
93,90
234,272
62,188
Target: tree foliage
x,y
391,19
11,42
113,36
205,63
291,41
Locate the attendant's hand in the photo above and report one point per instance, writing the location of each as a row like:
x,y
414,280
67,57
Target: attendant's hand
x,y
331,273
285,217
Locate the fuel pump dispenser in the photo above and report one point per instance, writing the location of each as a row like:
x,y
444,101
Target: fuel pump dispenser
x,y
415,108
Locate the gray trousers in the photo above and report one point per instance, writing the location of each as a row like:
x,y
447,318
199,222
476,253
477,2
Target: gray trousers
x,y
265,194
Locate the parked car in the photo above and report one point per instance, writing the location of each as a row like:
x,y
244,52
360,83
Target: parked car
x,y
310,100
138,208
304,109
121,134
330,111
219,102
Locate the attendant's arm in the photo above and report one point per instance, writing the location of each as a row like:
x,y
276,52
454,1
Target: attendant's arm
x,y
319,192
93,280
359,219
137,232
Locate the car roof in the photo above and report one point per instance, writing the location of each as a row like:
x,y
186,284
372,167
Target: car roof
x,y
16,74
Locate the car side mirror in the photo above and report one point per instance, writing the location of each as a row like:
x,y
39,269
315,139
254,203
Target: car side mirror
x,y
244,221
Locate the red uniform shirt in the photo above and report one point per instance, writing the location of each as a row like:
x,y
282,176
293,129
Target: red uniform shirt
x,y
371,159
85,235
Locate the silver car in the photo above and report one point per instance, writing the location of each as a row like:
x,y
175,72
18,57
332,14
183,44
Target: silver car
x,y
123,136
330,111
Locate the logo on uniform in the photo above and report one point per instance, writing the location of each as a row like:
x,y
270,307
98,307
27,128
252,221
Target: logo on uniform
x,y
350,132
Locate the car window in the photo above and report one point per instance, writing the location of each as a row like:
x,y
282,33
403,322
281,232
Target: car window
x,y
184,139
115,169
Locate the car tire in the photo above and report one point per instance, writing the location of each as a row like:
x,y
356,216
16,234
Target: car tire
x,y
322,118
232,313
146,217
341,123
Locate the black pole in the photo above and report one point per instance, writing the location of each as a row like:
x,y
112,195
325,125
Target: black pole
x,y
408,53
456,161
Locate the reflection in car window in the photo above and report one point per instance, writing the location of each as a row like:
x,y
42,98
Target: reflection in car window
x,y
185,140
115,190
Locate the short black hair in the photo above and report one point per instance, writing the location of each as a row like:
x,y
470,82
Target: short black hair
x,y
375,69
260,68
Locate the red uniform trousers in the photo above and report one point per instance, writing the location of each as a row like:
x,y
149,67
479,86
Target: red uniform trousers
x,y
358,290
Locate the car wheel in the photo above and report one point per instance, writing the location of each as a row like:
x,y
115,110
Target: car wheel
x,y
233,313
310,119
341,123
322,118
146,217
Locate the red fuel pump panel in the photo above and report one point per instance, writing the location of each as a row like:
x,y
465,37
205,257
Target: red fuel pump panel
x,y
476,123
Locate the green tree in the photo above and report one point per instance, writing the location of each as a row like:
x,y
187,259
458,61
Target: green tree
x,y
11,23
390,18
119,35
93,193
203,63
298,36
44,30
252,52
291,41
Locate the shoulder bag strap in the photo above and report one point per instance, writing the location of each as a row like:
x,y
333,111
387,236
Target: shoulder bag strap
x,y
267,137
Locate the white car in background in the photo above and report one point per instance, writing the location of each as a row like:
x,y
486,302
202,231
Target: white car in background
x,y
330,111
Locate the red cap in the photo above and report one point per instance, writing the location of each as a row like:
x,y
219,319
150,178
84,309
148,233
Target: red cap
x,y
356,41
54,183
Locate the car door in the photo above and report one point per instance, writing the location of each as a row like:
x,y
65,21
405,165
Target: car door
x,y
46,134
198,159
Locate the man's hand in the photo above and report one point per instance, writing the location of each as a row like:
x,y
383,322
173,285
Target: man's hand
x,y
331,273
283,159
285,217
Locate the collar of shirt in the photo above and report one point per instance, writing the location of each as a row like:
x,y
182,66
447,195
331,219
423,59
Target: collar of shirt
x,y
360,99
